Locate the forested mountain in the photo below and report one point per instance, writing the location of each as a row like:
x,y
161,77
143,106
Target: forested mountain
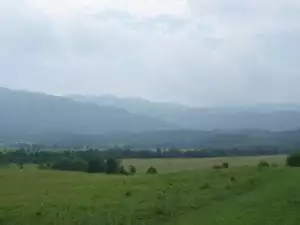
x,y
41,118
135,105
25,112
274,117
240,140
210,119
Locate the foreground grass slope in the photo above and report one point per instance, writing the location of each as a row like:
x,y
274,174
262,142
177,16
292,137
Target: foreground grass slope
x,y
273,200
209,196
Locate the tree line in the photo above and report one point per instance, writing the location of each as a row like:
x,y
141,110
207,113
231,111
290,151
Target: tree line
x,y
109,161
85,161
38,155
91,161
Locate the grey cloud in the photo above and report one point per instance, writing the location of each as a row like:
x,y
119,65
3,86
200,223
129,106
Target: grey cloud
x,y
145,24
219,55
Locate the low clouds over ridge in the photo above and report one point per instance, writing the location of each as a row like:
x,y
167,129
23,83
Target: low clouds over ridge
x,y
197,52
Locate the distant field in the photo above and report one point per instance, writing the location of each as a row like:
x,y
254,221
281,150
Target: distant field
x,y
175,165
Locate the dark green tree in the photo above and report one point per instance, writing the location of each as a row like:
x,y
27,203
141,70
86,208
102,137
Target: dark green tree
x,y
159,152
132,170
123,171
293,160
96,166
112,166
71,165
225,165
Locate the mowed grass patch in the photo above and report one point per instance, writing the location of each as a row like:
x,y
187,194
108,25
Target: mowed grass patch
x,y
175,165
31,196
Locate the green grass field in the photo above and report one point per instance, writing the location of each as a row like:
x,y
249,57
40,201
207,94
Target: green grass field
x,y
201,196
175,165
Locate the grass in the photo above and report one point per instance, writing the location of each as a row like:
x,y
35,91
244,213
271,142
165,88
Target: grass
x,y
273,201
175,165
207,196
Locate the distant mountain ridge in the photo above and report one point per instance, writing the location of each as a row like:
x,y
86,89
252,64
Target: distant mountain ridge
x,y
134,105
274,117
37,113
109,121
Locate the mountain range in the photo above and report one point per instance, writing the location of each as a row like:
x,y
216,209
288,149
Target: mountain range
x,y
107,120
37,113
273,117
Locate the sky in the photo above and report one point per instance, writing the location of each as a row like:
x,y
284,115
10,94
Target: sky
x,y
196,52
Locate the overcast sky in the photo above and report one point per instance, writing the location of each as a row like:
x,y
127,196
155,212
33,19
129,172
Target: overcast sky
x,y
198,52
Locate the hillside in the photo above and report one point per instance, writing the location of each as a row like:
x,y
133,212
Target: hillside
x,y
274,117
34,113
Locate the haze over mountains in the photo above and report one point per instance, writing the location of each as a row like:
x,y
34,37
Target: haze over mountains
x,y
37,113
273,117
109,120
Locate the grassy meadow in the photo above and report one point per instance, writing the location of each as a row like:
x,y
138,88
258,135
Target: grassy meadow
x,y
180,164
186,191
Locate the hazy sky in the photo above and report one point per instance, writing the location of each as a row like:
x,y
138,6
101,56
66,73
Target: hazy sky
x,y
200,52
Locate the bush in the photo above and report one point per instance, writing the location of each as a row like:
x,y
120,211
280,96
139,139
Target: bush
x,y
21,166
123,171
128,193
263,164
293,160
225,165
232,179
151,170
217,167
205,186
132,170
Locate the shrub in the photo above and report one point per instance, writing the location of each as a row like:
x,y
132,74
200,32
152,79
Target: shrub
x,y
160,211
132,170
205,186
123,171
232,179
217,167
151,170
21,166
263,164
293,160
225,165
